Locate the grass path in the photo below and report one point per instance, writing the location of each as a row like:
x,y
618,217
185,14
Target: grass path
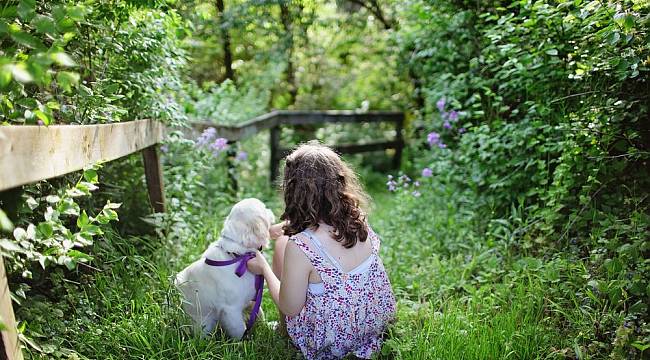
x,y
130,310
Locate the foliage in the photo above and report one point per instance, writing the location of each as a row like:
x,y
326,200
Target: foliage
x,y
51,241
68,62
550,135
227,104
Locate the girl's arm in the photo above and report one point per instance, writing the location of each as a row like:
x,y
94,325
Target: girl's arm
x,y
290,293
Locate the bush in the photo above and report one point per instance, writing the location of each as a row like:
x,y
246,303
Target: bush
x,y
538,108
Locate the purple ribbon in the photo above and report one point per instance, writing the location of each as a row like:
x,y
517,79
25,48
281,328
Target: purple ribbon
x,y
240,271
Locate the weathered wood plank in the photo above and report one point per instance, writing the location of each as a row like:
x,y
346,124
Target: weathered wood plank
x,y
293,117
243,130
154,178
33,153
352,148
296,117
10,344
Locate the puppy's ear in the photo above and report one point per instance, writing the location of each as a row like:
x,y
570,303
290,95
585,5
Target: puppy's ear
x,y
261,232
254,234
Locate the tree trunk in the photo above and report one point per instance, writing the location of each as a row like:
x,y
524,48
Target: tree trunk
x,y
225,36
287,22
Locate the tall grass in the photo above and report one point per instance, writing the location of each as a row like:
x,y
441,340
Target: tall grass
x,y
458,298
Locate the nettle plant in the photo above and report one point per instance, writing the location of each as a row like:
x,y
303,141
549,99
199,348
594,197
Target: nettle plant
x,y
66,229
445,128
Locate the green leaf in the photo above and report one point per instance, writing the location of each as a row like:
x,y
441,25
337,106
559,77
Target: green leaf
x,y
91,175
92,230
26,9
112,205
76,13
83,220
9,245
8,12
43,116
5,223
5,75
25,39
78,255
52,199
31,203
20,234
62,59
45,229
53,105
69,262
628,23
552,52
68,207
641,346
86,186
20,73
66,80
44,24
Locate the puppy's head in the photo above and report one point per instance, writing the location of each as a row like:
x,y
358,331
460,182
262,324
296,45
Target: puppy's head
x,y
248,223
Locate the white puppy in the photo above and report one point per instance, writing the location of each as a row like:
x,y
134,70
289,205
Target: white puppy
x,y
215,295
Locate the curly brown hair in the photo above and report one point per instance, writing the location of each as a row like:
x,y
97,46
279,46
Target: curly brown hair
x,y
319,186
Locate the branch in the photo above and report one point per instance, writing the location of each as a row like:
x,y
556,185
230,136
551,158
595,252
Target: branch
x,y
375,10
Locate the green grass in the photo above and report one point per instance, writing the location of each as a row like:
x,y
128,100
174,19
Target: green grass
x,y
457,297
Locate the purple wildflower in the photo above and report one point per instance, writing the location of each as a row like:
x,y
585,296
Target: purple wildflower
x,y
433,138
405,178
426,172
453,116
440,104
446,125
416,193
442,146
206,137
40,122
462,130
164,149
218,145
391,185
241,156
416,184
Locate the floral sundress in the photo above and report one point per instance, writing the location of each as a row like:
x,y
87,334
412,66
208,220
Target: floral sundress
x,y
346,313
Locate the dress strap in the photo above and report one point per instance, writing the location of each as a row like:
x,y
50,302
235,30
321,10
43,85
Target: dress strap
x,y
321,249
374,240
315,259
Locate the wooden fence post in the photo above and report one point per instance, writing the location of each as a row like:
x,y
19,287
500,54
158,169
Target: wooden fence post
x,y
275,153
231,154
399,137
153,175
10,347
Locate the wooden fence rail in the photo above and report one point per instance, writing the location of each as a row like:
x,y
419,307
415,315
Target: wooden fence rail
x,y
33,153
276,120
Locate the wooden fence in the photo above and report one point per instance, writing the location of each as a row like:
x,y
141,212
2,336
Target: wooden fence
x,y
276,120
33,153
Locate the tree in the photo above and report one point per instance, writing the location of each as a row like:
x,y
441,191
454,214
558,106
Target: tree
x,y
225,36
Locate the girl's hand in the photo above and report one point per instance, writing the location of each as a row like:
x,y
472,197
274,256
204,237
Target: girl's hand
x,y
275,231
258,264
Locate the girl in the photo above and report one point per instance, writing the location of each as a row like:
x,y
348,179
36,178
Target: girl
x,y
329,280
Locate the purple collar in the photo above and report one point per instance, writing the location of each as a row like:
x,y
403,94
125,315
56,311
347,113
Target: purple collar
x,y
240,271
